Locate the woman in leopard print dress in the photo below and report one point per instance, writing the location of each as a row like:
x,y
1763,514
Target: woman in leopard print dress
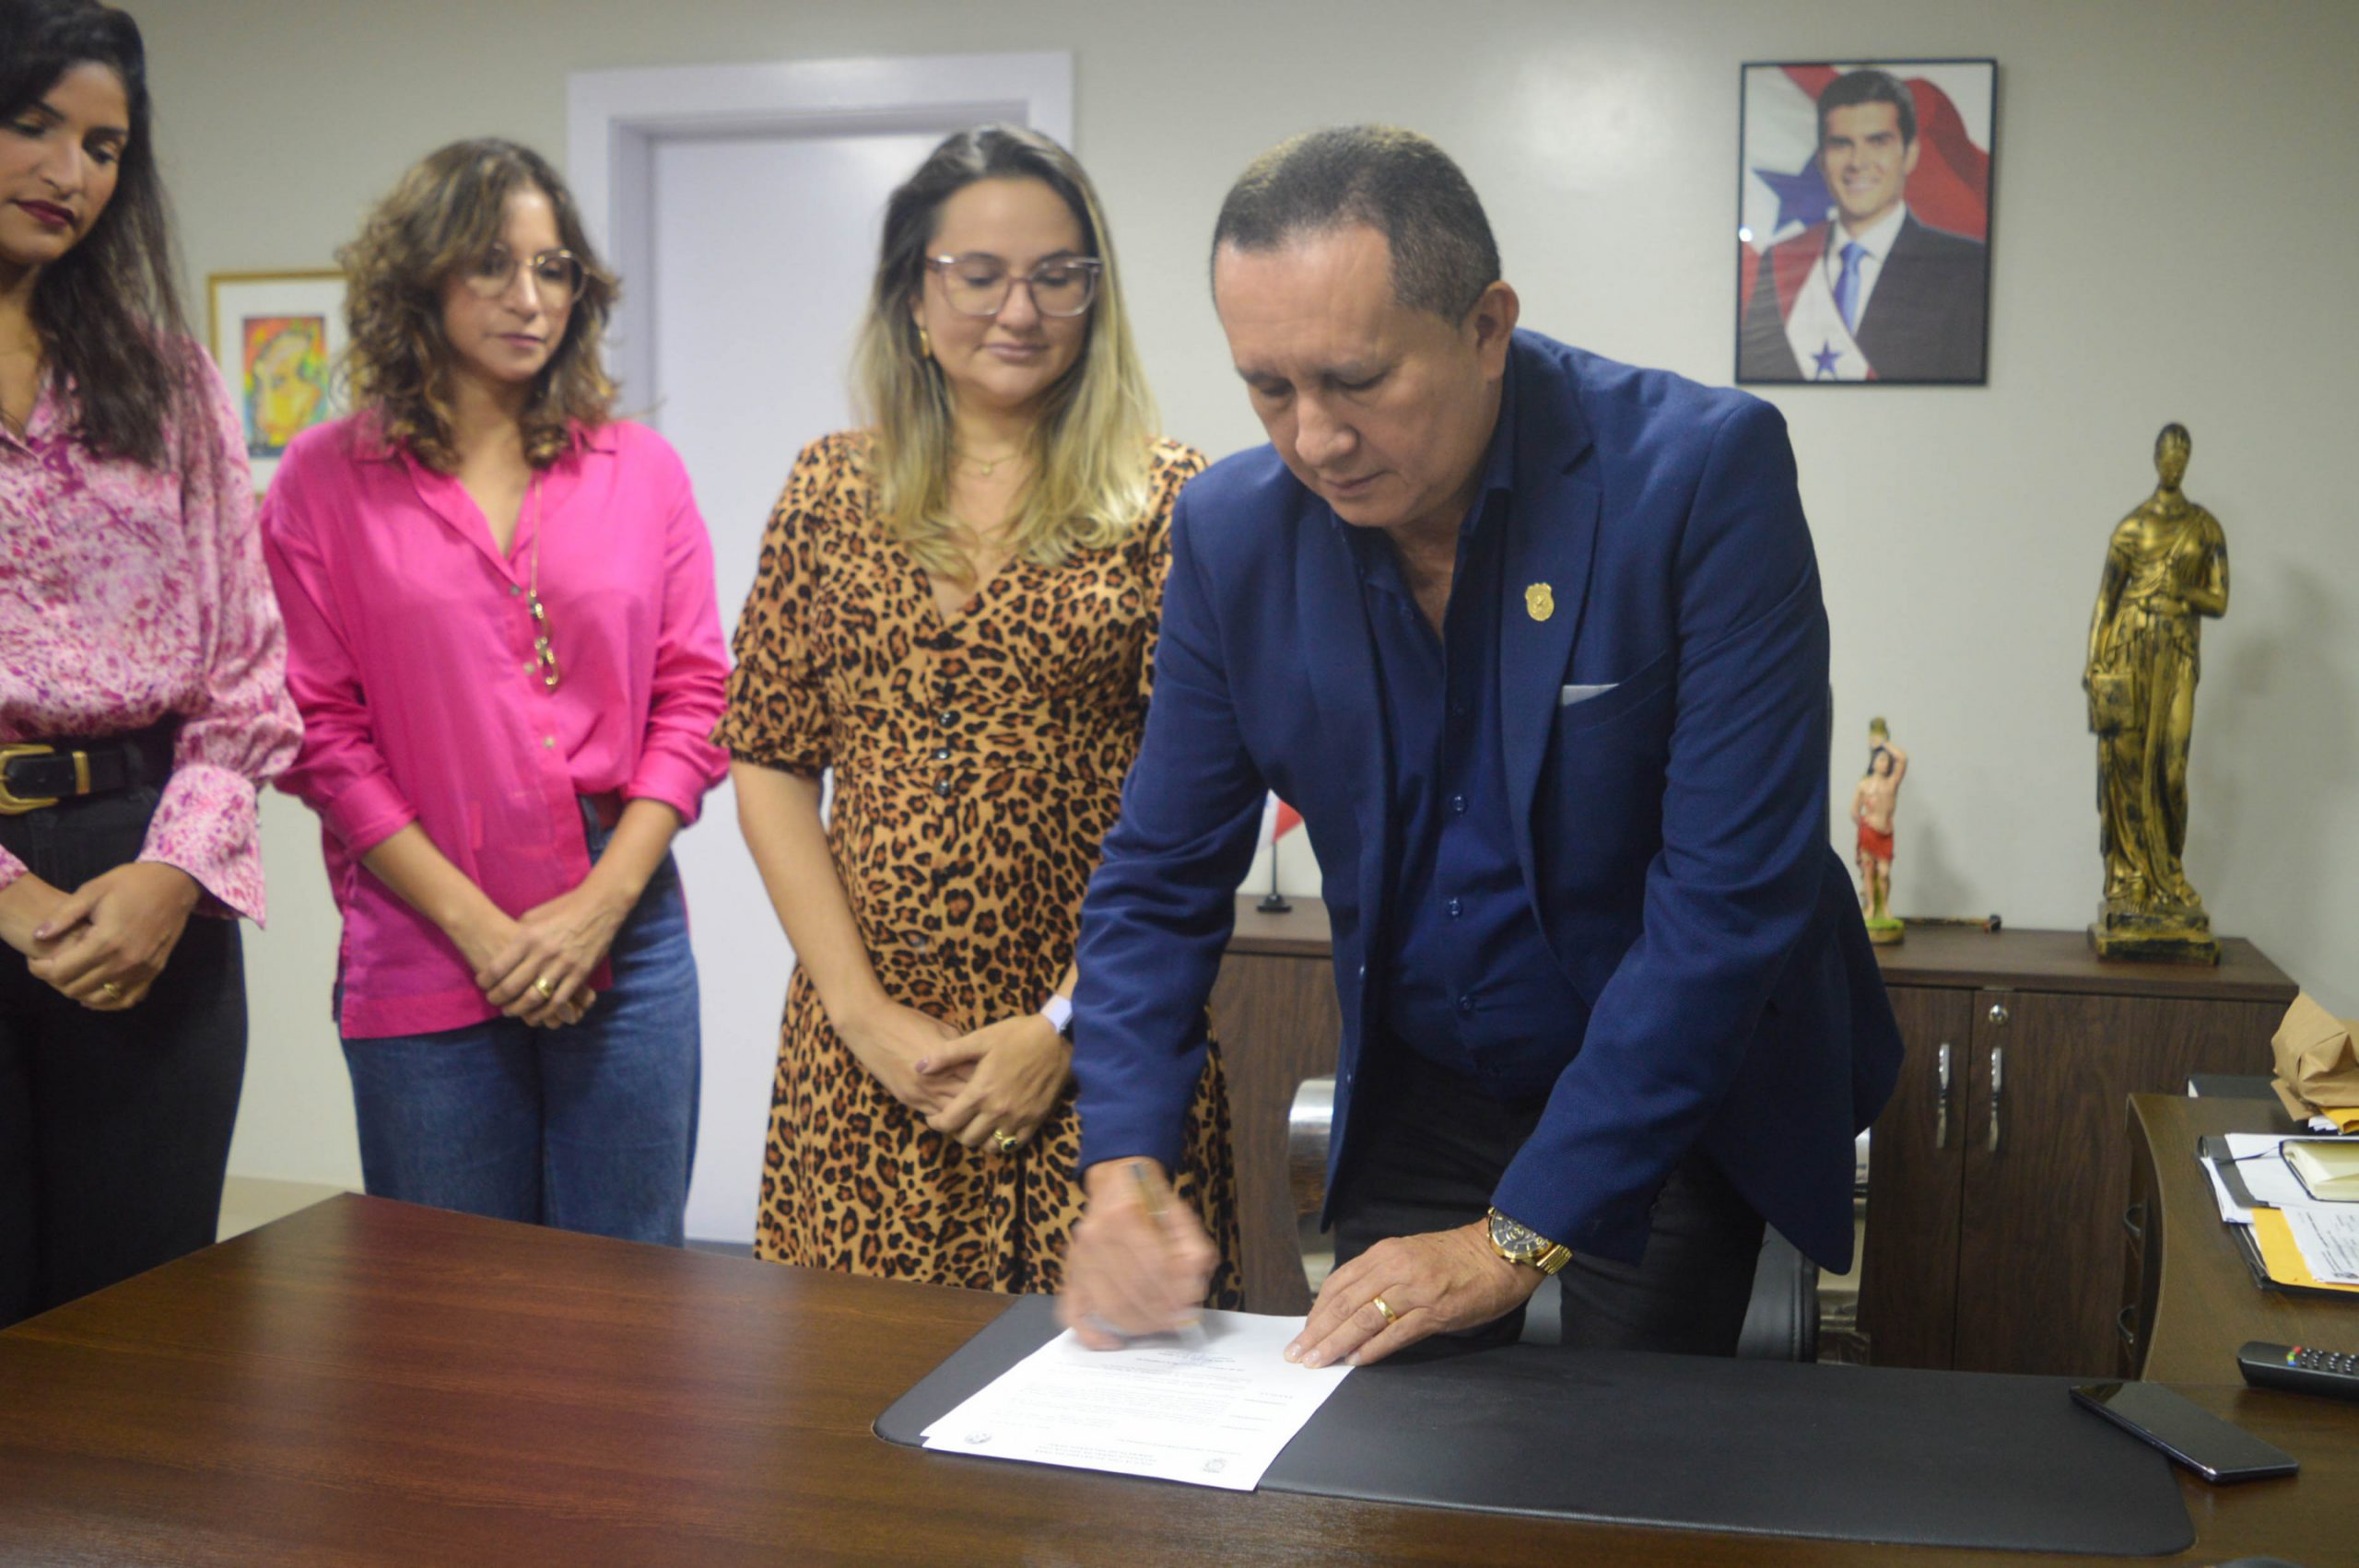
x,y
956,613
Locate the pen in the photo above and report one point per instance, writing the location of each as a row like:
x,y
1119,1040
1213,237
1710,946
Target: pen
x,y
1152,1195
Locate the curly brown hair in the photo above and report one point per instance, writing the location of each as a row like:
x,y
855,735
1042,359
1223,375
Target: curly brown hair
x,y
442,215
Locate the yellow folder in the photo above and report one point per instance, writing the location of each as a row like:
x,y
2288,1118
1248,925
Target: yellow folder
x,y
2281,1255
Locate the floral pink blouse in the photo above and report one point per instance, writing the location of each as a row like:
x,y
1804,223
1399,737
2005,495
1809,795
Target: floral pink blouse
x,y
129,593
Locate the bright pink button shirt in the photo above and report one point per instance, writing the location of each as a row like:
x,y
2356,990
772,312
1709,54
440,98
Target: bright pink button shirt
x,y
410,654
129,593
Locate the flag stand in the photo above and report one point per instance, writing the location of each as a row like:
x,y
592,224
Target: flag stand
x,y
1274,902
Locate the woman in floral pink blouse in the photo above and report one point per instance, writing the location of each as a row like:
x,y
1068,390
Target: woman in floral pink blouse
x,y
142,697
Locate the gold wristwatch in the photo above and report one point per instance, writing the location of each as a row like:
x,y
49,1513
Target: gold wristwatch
x,y
1521,1244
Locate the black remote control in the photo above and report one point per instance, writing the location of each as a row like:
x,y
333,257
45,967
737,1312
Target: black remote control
x,y
2299,1368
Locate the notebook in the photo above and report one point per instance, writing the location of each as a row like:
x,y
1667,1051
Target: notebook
x,y
2328,1167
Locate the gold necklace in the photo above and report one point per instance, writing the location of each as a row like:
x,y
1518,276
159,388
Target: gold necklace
x,y
989,466
544,656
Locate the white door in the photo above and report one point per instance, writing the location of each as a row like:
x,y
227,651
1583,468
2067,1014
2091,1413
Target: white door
x,y
743,205
762,250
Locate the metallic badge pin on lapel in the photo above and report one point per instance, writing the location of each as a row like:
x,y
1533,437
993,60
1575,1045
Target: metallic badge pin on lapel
x,y
1539,601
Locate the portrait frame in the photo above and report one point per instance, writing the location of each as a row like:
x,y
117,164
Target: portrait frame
x,y
1881,274
277,338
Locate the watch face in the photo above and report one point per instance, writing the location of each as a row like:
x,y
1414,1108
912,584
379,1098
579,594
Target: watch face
x,y
1515,1240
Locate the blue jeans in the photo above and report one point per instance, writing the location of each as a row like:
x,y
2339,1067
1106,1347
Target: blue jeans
x,y
589,1127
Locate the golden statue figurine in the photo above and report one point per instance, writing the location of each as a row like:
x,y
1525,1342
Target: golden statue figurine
x,y
1872,804
2167,565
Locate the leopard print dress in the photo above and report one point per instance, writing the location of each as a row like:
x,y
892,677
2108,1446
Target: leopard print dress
x,y
979,764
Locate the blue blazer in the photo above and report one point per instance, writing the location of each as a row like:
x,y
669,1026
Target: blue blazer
x,y
1672,825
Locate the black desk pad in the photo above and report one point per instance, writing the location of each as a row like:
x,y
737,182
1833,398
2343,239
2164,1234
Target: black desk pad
x,y
1840,1453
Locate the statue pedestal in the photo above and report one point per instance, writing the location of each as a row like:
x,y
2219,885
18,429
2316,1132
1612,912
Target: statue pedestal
x,y
2154,936
1886,933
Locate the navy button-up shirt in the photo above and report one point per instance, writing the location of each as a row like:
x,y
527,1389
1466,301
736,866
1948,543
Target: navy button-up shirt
x,y
1470,982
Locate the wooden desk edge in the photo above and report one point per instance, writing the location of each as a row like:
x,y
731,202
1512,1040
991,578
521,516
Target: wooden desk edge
x,y
2205,1302
315,1245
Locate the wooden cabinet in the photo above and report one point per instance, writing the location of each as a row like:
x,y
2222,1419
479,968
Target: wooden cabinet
x,y
1275,1016
1994,1236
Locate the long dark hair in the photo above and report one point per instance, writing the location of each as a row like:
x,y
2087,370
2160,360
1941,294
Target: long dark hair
x,y
109,310
442,215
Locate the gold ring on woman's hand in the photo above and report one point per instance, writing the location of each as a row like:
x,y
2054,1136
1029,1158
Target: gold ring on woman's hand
x,y
111,991
546,986
1006,1141
1390,1317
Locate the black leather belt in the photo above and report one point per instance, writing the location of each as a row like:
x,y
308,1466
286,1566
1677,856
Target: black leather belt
x,y
37,774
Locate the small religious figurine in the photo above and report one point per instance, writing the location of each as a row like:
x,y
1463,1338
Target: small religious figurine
x,y
2166,567
1871,808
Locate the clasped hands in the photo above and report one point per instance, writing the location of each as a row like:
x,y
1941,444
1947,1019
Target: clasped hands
x,y
104,943
1131,1272
536,968
995,1085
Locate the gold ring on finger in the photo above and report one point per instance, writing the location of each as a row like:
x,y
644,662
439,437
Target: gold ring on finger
x,y
1006,1141
111,991
546,986
1390,1317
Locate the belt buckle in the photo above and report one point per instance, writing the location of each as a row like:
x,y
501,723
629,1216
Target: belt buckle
x,y
11,803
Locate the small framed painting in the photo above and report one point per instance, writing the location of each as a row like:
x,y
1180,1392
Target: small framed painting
x,y
276,336
1863,222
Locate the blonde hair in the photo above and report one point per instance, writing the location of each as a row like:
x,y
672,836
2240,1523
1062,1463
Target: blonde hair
x,y
1089,485
443,215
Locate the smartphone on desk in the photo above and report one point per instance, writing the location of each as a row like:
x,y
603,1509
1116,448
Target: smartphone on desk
x,y
2187,1431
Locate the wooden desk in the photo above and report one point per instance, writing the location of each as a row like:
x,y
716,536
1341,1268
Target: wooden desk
x,y
368,1382
2188,1298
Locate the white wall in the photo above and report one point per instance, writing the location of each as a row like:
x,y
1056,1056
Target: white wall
x,y
2173,240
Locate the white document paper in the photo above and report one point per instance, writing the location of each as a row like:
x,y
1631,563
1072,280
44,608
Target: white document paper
x,y
1210,1412
2231,1210
2329,1238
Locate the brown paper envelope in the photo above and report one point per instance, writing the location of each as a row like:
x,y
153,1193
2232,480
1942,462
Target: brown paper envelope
x,y
2296,1107
2314,1053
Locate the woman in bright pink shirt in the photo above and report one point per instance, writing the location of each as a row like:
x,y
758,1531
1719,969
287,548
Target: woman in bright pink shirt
x,y
141,689
502,637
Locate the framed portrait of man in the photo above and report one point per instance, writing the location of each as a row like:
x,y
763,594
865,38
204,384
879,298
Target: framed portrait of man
x,y
1863,222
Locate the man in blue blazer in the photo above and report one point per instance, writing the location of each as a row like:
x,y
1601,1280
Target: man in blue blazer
x,y
1534,643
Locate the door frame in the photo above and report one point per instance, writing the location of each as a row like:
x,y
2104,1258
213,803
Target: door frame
x,y
615,119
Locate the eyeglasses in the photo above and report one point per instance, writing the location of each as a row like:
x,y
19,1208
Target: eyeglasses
x,y
979,283
557,275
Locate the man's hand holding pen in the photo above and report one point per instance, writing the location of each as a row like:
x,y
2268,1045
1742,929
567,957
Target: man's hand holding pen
x,y
1140,1262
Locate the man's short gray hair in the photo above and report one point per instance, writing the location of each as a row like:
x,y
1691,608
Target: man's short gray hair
x,y
1396,183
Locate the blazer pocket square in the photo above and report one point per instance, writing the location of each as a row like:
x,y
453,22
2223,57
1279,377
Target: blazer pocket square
x,y
1569,696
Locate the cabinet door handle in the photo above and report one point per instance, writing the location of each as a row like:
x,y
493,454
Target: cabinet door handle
x,y
1998,1088
1998,1012
2129,1330
1942,1097
2133,1219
